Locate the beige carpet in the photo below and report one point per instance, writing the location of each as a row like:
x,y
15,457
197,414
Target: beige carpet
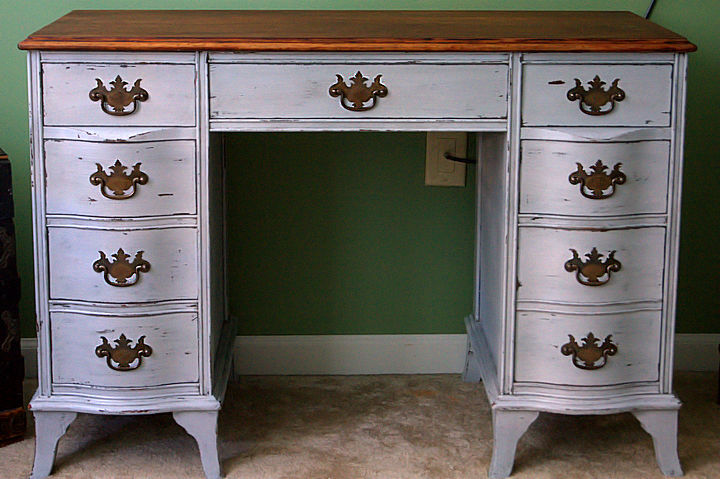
x,y
376,427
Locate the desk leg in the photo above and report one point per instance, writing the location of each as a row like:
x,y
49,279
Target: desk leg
x,y
202,425
508,428
662,426
49,427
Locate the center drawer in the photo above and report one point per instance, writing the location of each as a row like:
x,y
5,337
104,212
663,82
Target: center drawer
x,y
123,266
432,91
168,353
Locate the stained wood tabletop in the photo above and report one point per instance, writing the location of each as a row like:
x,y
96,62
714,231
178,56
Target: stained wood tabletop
x,y
345,30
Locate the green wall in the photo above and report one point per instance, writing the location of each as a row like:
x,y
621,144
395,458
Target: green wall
x,y
335,233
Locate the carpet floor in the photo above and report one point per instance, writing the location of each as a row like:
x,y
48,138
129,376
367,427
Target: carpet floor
x,y
376,427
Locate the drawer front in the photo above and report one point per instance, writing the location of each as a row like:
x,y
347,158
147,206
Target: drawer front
x,y
631,178
541,357
170,355
101,179
166,269
544,252
170,95
646,102
413,91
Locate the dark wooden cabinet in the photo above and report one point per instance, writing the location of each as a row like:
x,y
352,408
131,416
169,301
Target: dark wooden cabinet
x,y
12,368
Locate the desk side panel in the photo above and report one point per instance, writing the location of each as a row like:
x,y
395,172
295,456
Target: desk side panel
x,y
492,246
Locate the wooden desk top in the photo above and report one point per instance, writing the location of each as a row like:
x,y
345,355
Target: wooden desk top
x,y
344,30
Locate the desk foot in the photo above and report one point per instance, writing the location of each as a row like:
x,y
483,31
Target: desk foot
x,y
662,426
202,425
49,428
508,428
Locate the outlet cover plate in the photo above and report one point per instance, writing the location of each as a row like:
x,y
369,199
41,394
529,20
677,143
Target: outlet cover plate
x,y
439,171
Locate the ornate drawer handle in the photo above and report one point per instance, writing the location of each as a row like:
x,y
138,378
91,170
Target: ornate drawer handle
x,y
355,95
117,98
121,269
593,99
592,271
123,354
585,356
593,185
118,181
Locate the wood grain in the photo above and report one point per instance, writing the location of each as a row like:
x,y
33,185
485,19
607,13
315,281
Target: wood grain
x,y
307,30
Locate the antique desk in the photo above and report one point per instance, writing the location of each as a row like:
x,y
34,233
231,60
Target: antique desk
x,y
579,124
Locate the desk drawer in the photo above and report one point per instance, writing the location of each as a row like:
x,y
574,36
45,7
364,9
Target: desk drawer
x,y
645,100
463,91
548,272
83,265
540,356
169,89
100,179
170,354
631,178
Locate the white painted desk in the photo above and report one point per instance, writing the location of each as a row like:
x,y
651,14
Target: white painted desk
x,y
580,132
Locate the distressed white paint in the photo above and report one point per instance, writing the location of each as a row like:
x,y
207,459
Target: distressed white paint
x,y
640,221
171,253
66,88
202,425
524,233
301,91
546,166
539,337
647,89
172,337
49,427
542,253
508,428
168,303
492,230
662,426
169,165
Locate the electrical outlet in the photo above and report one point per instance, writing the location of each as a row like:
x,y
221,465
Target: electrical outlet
x,y
439,171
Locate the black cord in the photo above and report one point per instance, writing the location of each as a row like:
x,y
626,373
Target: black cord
x,y
649,10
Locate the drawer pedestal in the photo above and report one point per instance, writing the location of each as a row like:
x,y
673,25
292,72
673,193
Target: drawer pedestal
x,y
122,211
576,273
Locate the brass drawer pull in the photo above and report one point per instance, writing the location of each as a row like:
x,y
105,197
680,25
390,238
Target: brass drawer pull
x,y
354,96
120,268
594,271
118,182
585,356
114,101
592,186
596,97
123,354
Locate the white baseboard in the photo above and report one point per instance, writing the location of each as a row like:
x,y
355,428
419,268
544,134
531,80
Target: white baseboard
x,y
28,348
696,352
350,354
385,354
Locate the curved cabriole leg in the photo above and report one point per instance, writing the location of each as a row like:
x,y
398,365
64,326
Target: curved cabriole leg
x,y
49,427
202,425
662,426
508,428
